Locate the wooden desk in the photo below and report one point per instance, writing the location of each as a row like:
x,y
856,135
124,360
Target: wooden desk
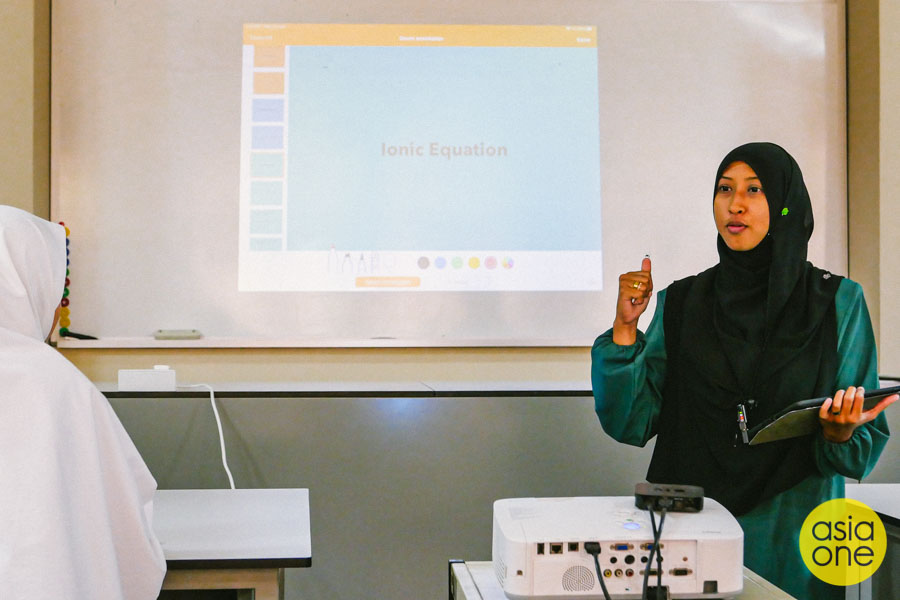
x,y
233,539
477,581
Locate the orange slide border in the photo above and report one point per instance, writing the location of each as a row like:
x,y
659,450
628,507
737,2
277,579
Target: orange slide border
x,y
320,34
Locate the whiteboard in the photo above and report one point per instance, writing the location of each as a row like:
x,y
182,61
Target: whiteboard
x,y
145,139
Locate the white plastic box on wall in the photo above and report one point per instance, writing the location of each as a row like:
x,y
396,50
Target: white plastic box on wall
x,y
158,379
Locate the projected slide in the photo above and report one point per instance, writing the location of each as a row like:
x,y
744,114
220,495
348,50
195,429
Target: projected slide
x,y
419,157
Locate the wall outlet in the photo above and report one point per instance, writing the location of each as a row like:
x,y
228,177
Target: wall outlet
x,y
158,379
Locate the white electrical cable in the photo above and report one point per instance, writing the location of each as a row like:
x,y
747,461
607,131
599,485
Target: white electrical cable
x,y
212,400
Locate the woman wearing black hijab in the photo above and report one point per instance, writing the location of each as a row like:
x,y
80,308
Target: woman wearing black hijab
x,y
761,329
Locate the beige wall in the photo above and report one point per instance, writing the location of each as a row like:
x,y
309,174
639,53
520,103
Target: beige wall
x,y
889,158
25,105
370,364
863,118
873,45
874,154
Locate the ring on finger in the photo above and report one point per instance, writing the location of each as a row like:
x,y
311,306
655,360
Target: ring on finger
x,y
835,410
636,285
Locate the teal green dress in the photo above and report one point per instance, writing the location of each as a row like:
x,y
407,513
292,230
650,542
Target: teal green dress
x,y
628,385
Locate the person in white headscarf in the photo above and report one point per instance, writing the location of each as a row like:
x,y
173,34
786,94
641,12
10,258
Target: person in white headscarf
x,y
75,495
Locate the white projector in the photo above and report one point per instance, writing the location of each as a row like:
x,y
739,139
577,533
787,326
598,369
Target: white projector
x,y
539,549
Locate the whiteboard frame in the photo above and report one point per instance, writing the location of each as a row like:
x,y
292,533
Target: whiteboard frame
x,y
826,163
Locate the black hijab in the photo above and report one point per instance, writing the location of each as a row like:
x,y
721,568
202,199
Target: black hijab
x,y
758,329
765,301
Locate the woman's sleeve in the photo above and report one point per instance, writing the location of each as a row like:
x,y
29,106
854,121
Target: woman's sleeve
x,y
857,365
628,381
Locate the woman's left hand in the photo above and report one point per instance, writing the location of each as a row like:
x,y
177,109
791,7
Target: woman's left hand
x,y
842,414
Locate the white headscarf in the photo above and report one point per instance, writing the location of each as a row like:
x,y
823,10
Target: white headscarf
x,y
32,272
76,499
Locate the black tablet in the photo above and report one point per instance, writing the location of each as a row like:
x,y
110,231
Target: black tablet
x,y
802,417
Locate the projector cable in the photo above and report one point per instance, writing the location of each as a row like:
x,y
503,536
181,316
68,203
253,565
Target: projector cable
x,y
657,534
212,401
593,548
664,504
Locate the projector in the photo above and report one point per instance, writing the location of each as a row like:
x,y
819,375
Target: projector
x,y
539,549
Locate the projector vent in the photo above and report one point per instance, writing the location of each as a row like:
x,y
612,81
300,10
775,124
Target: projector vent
x,y
500,569
578,579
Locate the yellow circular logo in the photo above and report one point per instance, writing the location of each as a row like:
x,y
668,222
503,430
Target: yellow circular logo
x,y
842,542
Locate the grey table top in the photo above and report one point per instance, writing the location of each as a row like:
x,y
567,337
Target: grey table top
x,y
883,498
229,529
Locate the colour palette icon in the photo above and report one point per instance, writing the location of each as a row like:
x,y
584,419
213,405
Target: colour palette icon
x,y
489,262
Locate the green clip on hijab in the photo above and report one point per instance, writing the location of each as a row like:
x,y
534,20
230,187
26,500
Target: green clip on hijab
x,y
790,220
768,301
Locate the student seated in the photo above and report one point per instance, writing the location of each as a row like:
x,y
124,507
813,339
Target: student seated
x,y
76,499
